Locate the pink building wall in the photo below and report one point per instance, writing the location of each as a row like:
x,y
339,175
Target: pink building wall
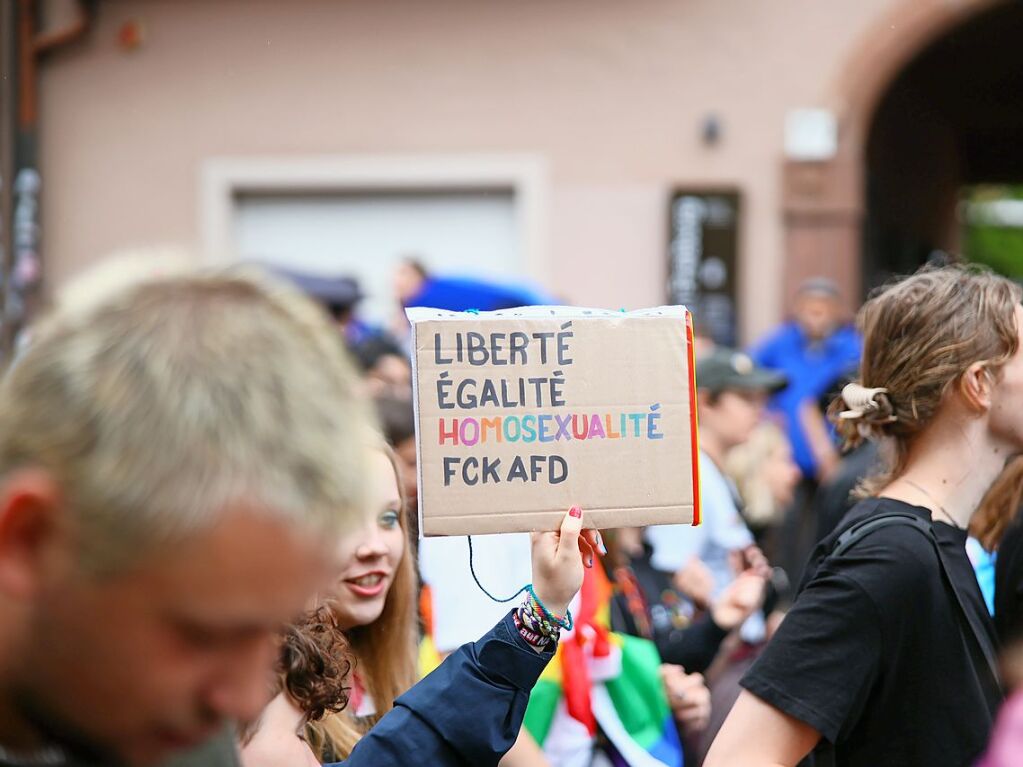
x,y
610,94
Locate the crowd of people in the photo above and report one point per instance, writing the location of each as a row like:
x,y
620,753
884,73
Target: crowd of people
x,y
209,546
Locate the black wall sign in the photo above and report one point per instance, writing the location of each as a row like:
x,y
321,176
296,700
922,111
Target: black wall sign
x,y
703,259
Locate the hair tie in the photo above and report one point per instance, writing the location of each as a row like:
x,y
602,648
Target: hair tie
x,y
869,405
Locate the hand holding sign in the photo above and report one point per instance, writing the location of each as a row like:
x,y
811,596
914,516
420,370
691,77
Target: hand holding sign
x,y
558,560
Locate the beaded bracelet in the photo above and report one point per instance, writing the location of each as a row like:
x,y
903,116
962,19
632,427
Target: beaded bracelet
x,y
537,625
536,622
564,622
537,632
540,621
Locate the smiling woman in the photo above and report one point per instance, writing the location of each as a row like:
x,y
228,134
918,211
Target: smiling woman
x,y
374,604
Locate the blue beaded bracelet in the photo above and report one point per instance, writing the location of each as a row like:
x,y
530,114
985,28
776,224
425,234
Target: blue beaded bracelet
x,y
565,622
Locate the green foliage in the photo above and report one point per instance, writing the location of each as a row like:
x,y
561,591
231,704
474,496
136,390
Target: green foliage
x,y
1000,247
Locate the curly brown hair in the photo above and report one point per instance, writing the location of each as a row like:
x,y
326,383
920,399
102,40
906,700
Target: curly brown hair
x,y
314,664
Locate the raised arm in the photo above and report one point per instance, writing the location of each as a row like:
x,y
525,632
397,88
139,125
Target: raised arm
x,y
466,712
470,709
781,740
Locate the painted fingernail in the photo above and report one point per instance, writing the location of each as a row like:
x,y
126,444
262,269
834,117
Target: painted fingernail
x,y
600,544
589,562
575,511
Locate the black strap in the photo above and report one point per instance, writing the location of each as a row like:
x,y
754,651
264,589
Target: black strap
x,y
824,757
862,529
859,531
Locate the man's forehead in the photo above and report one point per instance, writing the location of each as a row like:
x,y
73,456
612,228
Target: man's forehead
x,y
247,564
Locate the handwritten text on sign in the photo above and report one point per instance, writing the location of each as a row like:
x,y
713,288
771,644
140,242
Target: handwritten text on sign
x,y
478,393
542,403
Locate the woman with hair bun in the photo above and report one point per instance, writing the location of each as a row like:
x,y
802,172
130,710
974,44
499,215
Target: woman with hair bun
x,y
887,656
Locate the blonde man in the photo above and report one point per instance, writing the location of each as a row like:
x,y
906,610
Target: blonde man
x,y
173,455
177,460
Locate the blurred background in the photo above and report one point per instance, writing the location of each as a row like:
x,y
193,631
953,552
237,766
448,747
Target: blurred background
x,y
766,163
617,154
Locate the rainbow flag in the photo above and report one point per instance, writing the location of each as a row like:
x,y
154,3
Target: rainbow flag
x,y
602,679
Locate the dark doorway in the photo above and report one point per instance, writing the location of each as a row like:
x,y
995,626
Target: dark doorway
x,y
951,119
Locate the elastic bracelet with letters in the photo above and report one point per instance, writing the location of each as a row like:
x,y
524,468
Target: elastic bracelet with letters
x,y
533,638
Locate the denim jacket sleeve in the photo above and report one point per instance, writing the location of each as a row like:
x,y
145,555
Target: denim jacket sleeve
x,y
467,712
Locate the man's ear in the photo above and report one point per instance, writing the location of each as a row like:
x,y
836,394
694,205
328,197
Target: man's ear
x,y
30,529
975,387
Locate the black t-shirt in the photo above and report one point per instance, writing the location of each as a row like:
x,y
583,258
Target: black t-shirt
x,y
1009,584
872,655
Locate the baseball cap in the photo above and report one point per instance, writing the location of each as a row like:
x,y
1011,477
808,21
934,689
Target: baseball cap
x,y
339,292
723,369
818,286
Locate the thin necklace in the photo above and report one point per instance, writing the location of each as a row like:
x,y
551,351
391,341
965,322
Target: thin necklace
x,y
941,508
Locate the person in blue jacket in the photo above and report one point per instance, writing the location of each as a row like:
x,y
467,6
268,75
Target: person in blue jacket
x,y
813,350
470,709
416,286
466,712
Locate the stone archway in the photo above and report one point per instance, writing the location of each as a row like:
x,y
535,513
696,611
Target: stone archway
x,y
824,202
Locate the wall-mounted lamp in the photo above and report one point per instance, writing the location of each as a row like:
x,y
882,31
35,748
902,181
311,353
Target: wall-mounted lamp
x,y
710,130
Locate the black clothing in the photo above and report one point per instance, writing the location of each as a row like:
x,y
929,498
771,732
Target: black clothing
x,y
833,499
1009,584
797,534
663,616
872,654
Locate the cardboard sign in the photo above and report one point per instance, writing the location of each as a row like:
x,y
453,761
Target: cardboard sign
x,y
522,413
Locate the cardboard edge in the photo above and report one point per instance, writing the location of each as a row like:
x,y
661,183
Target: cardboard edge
x,y
542,311
694,421
415,420
546,520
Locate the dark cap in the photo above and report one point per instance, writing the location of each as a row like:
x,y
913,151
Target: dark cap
x,y
818,286
723,369
341,292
